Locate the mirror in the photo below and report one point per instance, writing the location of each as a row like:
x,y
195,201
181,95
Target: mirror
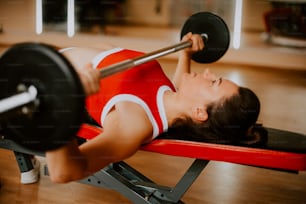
x,y
100,16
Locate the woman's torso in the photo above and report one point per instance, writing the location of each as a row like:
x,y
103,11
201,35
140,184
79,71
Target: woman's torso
x,y
143,85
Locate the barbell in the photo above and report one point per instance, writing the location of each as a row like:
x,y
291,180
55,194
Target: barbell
x,y
42,99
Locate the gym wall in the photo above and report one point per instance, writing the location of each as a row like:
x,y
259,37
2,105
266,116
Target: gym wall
x,y
19,15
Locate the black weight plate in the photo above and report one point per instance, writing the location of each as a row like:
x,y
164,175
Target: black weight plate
x,y
59,91
218,35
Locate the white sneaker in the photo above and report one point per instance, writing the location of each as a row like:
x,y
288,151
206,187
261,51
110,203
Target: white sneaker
x,y
31,176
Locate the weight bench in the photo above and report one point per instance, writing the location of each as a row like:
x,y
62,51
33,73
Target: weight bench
x,y
286,151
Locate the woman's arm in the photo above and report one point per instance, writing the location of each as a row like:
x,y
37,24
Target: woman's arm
x,y
125,129
183,65
80,59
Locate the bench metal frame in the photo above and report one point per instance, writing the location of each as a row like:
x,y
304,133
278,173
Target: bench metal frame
x,y
122,178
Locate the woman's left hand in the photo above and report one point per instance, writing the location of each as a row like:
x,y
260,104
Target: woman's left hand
x,y
197,43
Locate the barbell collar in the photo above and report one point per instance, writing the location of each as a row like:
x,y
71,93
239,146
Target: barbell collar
x,y
18,100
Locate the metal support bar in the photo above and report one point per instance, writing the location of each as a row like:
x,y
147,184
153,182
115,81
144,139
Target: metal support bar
x,y
139,189
24,161
186,181
105,178
9,144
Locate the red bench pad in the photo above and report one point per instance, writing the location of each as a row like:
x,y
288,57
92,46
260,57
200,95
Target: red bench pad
x,y
216,152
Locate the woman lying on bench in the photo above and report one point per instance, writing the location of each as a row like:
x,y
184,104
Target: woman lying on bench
x,y
137,105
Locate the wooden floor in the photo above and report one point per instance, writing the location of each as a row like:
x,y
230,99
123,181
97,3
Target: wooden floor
x,y
283,98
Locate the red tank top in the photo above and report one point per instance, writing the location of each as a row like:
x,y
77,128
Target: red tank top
x,y
144,84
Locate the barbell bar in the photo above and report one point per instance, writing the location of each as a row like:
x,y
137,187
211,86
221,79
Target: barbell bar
x,y
58,112
130,63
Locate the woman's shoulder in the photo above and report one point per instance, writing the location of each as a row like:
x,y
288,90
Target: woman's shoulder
x,y
131,118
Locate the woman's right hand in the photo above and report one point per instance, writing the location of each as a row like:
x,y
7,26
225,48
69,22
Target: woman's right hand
x,y
90,79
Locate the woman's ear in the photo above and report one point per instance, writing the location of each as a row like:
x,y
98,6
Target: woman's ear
x,y
200,114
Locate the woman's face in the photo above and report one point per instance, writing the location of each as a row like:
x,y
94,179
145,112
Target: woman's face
x,y
205,88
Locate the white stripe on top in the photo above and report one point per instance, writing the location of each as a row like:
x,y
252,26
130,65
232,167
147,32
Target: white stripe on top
x,y
131,98
97,59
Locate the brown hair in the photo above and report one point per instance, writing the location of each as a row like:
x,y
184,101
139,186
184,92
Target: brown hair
x,y
230,121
